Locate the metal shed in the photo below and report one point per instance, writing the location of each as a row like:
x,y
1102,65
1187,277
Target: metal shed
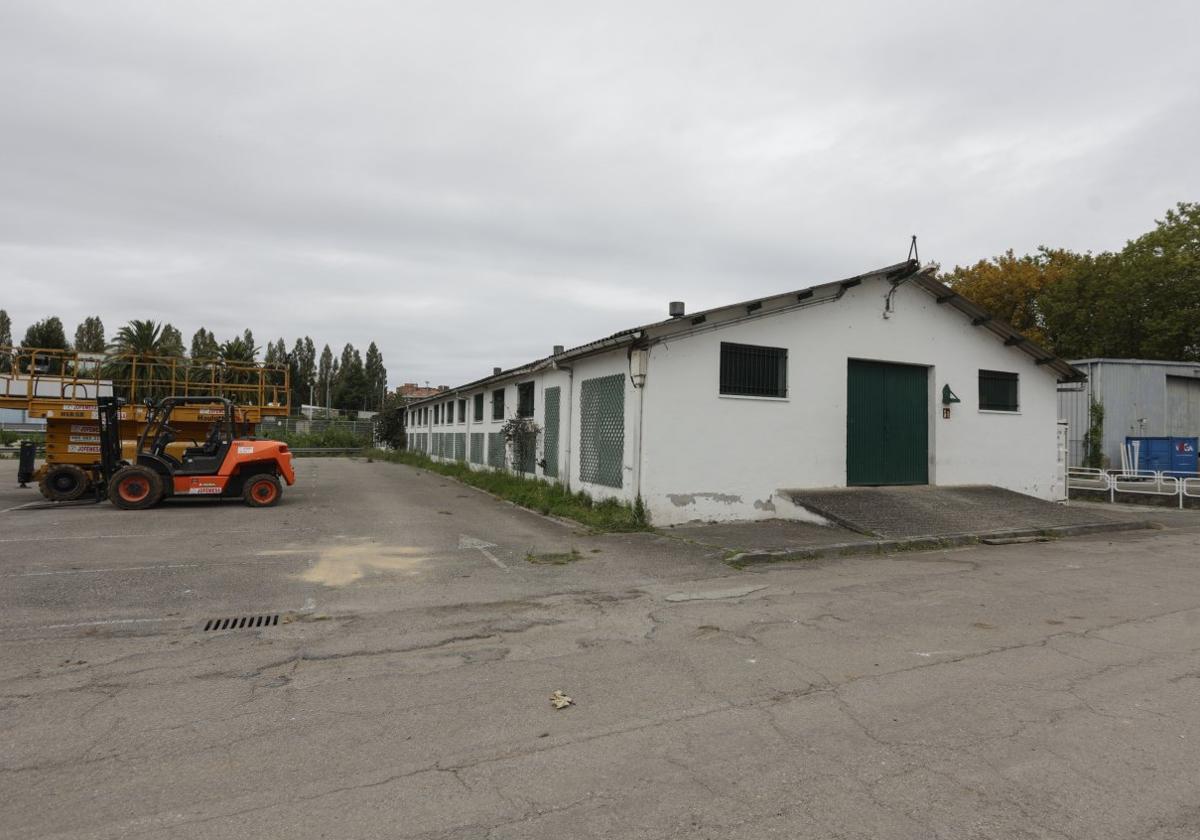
x,y
1140,398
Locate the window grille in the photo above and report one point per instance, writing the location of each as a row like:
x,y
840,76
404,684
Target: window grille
x,y
462,411
751,371
525,399
498,404
479,408
997,391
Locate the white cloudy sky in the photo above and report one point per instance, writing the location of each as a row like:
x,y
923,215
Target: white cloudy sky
x,y
468,183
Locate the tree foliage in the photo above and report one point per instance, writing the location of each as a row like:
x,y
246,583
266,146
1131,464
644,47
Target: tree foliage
x,y
89,336
5,341
1011,287
139,338
1140,302
46,334
204,345
389,423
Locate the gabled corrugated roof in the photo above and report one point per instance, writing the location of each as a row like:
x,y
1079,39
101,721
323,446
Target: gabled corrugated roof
x,y
909,271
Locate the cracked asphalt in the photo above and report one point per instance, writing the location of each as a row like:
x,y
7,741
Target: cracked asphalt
x,y
1025,691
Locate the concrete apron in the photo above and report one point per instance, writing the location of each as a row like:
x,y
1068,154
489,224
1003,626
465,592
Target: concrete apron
x,y
932,542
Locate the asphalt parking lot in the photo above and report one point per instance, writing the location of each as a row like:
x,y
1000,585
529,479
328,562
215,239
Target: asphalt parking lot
x,y
1038,690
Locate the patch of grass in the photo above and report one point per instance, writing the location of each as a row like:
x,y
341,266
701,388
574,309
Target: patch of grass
x,y
554,559
533,493
9,437
330,438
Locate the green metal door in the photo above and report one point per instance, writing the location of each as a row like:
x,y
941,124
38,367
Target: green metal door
x,y
887,424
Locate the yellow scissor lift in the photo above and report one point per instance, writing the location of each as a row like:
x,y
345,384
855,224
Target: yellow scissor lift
x,y
62,387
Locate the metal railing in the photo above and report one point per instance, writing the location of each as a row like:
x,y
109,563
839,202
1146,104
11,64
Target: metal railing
x,y
1178,484
28,375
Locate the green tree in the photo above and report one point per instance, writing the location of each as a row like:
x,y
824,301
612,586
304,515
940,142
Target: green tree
x,y
89,336
204,345
5,342
171,341
1011,287
138,338
389,422
46,334
376,377
325,376
302,363
351,389
238,351
136,369
276,353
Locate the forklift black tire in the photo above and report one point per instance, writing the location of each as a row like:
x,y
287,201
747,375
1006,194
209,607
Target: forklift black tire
x,y
135,488
262,490
64,483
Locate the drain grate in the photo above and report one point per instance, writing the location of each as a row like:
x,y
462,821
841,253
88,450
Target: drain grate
x,y
244,622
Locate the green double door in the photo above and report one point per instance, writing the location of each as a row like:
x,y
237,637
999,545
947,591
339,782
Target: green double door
x,y
887,424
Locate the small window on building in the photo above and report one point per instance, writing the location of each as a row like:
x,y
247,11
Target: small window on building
x,y
525,399
462,411
479,408
498,404
751,371
997,391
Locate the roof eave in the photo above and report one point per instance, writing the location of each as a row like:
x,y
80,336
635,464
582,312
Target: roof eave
x,y
1013,337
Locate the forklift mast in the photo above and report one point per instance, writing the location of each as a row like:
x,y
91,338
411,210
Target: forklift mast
x,y
108,413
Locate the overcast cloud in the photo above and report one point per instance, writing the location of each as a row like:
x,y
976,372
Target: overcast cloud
x,y
470,183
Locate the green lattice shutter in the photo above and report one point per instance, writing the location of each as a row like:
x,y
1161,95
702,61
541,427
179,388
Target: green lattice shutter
x,y
550,456
496,450
476,447
527,452
460,446
602,430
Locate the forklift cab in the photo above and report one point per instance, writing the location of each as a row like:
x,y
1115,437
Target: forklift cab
x,y
205,458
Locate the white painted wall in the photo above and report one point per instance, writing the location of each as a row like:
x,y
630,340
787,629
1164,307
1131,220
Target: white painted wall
x,y
711,457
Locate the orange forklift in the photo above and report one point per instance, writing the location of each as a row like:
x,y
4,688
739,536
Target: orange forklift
x,y
225,464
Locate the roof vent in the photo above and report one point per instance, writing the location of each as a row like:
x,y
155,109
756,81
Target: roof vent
x,y
676,308
495,371
558,348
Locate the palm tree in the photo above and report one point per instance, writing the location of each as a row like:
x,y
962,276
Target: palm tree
x,y
238,360
136,365
138,338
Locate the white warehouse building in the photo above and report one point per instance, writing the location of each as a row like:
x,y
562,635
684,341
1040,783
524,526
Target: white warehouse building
x,y
886,378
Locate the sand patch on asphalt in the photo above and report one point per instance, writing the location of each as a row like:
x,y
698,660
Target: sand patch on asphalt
x,y
342,564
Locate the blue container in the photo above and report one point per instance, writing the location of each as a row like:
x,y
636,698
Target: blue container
x,y
1171,455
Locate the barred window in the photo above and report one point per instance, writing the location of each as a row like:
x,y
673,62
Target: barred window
x,y
498,404
450,412
479,408
997,391
462,411
751,371
525,399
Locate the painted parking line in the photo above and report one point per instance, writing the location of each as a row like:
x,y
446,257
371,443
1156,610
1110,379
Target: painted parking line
x,y
140,536
98,623
483,547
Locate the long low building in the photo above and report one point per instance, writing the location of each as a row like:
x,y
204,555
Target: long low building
x,y
889,377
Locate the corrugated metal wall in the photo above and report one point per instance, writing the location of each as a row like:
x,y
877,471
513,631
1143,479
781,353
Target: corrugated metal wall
x,y
1135,399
